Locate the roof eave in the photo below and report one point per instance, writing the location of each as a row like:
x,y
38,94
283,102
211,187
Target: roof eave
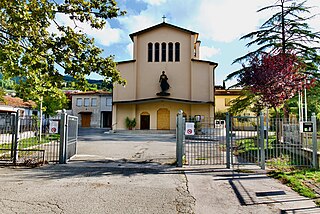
x,y
160,25
207,61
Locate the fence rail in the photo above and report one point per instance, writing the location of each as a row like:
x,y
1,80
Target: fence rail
x,y
247,140
22,142
287,145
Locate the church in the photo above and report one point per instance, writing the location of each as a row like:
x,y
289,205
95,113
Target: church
x,y
164,76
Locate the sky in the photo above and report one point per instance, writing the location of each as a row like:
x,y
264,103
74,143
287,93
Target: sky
x,y
220,24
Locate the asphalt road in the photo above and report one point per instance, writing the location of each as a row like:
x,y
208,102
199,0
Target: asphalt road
x,y
111,173
130,173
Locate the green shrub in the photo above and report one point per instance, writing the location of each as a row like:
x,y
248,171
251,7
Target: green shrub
x,y
130,123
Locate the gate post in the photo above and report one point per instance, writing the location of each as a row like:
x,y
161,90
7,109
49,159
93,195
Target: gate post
x,y
179,146
262,151
13,133
63,132
16,138
315,162
228,140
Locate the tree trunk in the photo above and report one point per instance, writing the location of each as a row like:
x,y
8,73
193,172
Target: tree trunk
x,y
286,110
283,32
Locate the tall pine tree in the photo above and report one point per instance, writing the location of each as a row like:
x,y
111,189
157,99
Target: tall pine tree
x,y
288,31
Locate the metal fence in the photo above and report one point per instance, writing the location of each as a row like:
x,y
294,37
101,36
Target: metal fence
x,y
206,146
287,145
7,136
69,137
72,136
22,142
247,140
244,134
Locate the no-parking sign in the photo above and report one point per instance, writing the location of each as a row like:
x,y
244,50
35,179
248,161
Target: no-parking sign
x,y
53,127
189,129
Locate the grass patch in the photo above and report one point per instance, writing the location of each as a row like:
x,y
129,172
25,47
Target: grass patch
x,y
281,163
31,141
304,181
201,158
252,144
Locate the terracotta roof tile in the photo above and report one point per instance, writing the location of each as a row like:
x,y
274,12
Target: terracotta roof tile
x,y
17,102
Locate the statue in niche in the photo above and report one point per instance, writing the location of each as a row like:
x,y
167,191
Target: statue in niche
x,y
164,85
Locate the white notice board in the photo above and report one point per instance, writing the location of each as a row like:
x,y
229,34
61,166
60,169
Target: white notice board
x,y
189,129
53,127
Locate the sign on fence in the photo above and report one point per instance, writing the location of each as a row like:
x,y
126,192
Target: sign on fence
x,y
53,127
189,129
306,127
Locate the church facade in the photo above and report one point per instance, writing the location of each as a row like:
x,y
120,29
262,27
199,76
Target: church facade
x,y
164,76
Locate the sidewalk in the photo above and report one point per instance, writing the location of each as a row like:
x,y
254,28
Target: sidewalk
x,y
221,190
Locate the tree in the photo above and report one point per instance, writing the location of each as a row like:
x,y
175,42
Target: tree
x,y
29,50
288,31
52,100
274,78
220,115
313,101
2,94
285,31
246,100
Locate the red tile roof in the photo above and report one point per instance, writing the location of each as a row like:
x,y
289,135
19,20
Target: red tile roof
x,y
17,102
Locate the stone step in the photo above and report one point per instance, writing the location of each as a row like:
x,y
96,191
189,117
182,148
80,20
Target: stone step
x,y
144,131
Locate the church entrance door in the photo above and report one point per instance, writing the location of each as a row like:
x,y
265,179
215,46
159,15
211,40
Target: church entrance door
x,y
144,121
163,119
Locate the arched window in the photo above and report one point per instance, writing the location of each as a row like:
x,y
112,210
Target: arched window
x,y
150,47
156,52
163,52
177,52
170,46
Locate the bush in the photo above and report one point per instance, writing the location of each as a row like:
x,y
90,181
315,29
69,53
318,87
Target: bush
x,y
130,123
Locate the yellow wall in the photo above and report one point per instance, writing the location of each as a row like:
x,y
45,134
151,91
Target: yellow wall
x,y
220,103
148,73
201,81
190,80
124,110
128,92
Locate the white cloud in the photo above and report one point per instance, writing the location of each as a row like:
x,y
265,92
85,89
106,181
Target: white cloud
x,y
315,22
208,52
227,20
218,20
154,2
137,22
104,37
130,49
